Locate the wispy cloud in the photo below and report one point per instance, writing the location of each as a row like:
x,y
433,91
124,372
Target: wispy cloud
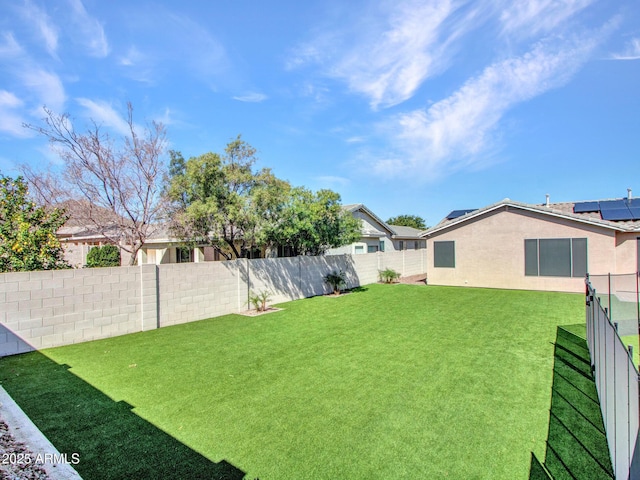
x,y
170,38
104,115
41,24
10,48
534,17
10,120
252,97
631,52
89,30
387,55
45,85
458,130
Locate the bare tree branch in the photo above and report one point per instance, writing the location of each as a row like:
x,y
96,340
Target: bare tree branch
x,y
114,187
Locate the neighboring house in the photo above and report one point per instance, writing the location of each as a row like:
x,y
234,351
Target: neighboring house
x,y
76,242
378,236
535,246
160,248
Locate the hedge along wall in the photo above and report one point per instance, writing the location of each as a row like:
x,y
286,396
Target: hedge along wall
x,y
53,308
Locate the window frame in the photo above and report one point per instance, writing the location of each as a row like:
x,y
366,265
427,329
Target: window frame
x,y
444,254
544,257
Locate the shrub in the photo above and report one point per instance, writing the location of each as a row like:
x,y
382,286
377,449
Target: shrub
x,y
336,280
105,256
259,300
388,275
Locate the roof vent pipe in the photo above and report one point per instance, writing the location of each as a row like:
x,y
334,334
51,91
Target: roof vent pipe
x,y
547,199
628,194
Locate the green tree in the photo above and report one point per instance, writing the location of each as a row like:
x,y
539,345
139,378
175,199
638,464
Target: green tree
x,y
408,221
219,200
27,232
105,256
310,223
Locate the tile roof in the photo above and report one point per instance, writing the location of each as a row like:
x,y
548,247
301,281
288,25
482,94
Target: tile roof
x,y
562,210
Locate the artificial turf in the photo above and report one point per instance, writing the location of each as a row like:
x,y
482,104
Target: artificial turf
x,y
390,381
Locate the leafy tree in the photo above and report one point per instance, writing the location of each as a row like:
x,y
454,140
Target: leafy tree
x,y
27,232
220,200
104,256
111,186
408,221
310,223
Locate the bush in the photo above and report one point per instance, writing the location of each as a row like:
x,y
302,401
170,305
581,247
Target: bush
x,y
336,280
105,256
388,275
259,300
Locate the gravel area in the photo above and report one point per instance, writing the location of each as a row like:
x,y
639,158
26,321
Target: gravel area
x,y
25,453
17,462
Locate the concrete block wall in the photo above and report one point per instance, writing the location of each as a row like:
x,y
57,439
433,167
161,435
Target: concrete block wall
x,y
195,291
406,262
53,308
60,307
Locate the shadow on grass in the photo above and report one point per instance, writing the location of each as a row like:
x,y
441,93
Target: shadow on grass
x,y
112,441
576,442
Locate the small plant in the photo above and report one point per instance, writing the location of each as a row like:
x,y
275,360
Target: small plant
x,y
388,275
259,300
336,280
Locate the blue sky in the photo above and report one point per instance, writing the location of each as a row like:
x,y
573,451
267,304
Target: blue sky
x,y
416,107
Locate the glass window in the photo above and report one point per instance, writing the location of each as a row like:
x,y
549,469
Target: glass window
x,y
184,255
531,257
555,257
401,245
359,249
381,245
444,254
579,257
372,248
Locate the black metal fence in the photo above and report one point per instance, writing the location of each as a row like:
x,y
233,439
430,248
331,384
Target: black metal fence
x,y
612,312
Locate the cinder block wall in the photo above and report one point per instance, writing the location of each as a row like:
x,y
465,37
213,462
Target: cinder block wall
x,y
195,291
53,308
50,308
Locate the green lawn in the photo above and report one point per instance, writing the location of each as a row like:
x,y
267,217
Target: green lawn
x,y
392,381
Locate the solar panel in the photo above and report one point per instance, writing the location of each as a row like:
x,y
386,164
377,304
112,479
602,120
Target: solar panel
x,y
616,214
613,204
459,213
584,207
635,212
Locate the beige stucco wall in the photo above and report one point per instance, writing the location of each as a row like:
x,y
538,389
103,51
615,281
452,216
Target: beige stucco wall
x,y
627,252
489,251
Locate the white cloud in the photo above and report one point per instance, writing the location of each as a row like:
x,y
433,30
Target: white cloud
x,y
10,47
42,24
387,55
90,30
104,115
47,87
533,17
458,130
252,97
631,52
10,120
132,58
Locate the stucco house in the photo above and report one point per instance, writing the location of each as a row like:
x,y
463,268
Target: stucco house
x,y
548,246
378,236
